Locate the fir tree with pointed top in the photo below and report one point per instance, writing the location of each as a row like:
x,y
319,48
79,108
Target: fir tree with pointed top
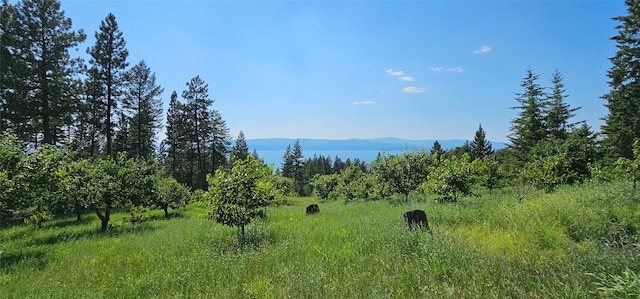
x,y
559,112
240,150
480,147
622,123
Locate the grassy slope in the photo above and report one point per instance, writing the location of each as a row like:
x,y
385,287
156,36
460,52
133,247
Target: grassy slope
x,y
487,247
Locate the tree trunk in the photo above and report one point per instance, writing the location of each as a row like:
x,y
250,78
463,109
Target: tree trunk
x,y
166,211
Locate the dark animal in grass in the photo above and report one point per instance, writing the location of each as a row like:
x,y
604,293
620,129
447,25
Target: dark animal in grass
x,y
416,219
313,209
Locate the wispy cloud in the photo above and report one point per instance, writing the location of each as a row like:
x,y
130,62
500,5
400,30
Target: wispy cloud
x,y
413,89
364,103
450,69
406,78
482,50
394,73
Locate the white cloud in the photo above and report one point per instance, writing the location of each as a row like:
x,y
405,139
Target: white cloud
x,y
394,73
406,78
450,69
482,50
364,103
413,89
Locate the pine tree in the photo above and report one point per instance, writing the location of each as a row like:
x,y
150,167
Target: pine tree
x,y
172,129
480,147
622,123
37,69
198,103
437,151
108,59
559,112
145,107
240,150
298,167
218,140
287,163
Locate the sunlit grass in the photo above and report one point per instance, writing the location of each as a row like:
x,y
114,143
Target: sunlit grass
x,y
551,246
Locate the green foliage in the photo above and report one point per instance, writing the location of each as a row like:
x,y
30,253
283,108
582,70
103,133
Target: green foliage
x,y
451,179
138,214
403,173
12,160
239,196
623,119
171,194
326,186
486,172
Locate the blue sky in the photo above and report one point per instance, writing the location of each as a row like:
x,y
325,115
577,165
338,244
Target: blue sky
x,y
367,69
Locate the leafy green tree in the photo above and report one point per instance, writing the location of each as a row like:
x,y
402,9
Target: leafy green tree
x,y
239,196
108,62
480,147
486,173
559,112
12,161
451,179
622,123
240,150
326,186
402,173
145,107
41,181
171,194
118,182
74,194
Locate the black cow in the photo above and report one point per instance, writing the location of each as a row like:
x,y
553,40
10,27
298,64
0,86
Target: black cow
x,y
313,209
416,219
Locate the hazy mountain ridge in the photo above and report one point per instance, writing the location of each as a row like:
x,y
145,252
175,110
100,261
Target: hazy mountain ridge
x,y
354,144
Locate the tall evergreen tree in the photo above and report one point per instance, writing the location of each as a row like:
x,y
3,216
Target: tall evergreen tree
x,y
287,163
218,140
480,147
528,128
622,123
172,132
559,111
14,112
37,69
145,107
298,167
437,151
240,150
108,59
198,103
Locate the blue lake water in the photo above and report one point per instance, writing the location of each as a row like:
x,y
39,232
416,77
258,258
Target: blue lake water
x,y
275,157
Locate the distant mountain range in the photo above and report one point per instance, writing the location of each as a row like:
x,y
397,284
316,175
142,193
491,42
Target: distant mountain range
x,y
375,144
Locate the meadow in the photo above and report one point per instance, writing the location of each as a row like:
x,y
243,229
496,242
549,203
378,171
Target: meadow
x,y
578,242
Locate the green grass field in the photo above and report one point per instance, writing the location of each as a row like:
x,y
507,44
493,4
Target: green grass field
x,y
580,242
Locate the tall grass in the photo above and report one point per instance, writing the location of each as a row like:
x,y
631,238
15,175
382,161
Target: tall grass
x,y
570,244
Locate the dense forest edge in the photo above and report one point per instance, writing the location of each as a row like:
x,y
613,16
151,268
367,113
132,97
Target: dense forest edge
x,y
555,213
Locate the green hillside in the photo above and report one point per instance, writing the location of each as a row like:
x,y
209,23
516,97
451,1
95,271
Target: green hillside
x,y
579,242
